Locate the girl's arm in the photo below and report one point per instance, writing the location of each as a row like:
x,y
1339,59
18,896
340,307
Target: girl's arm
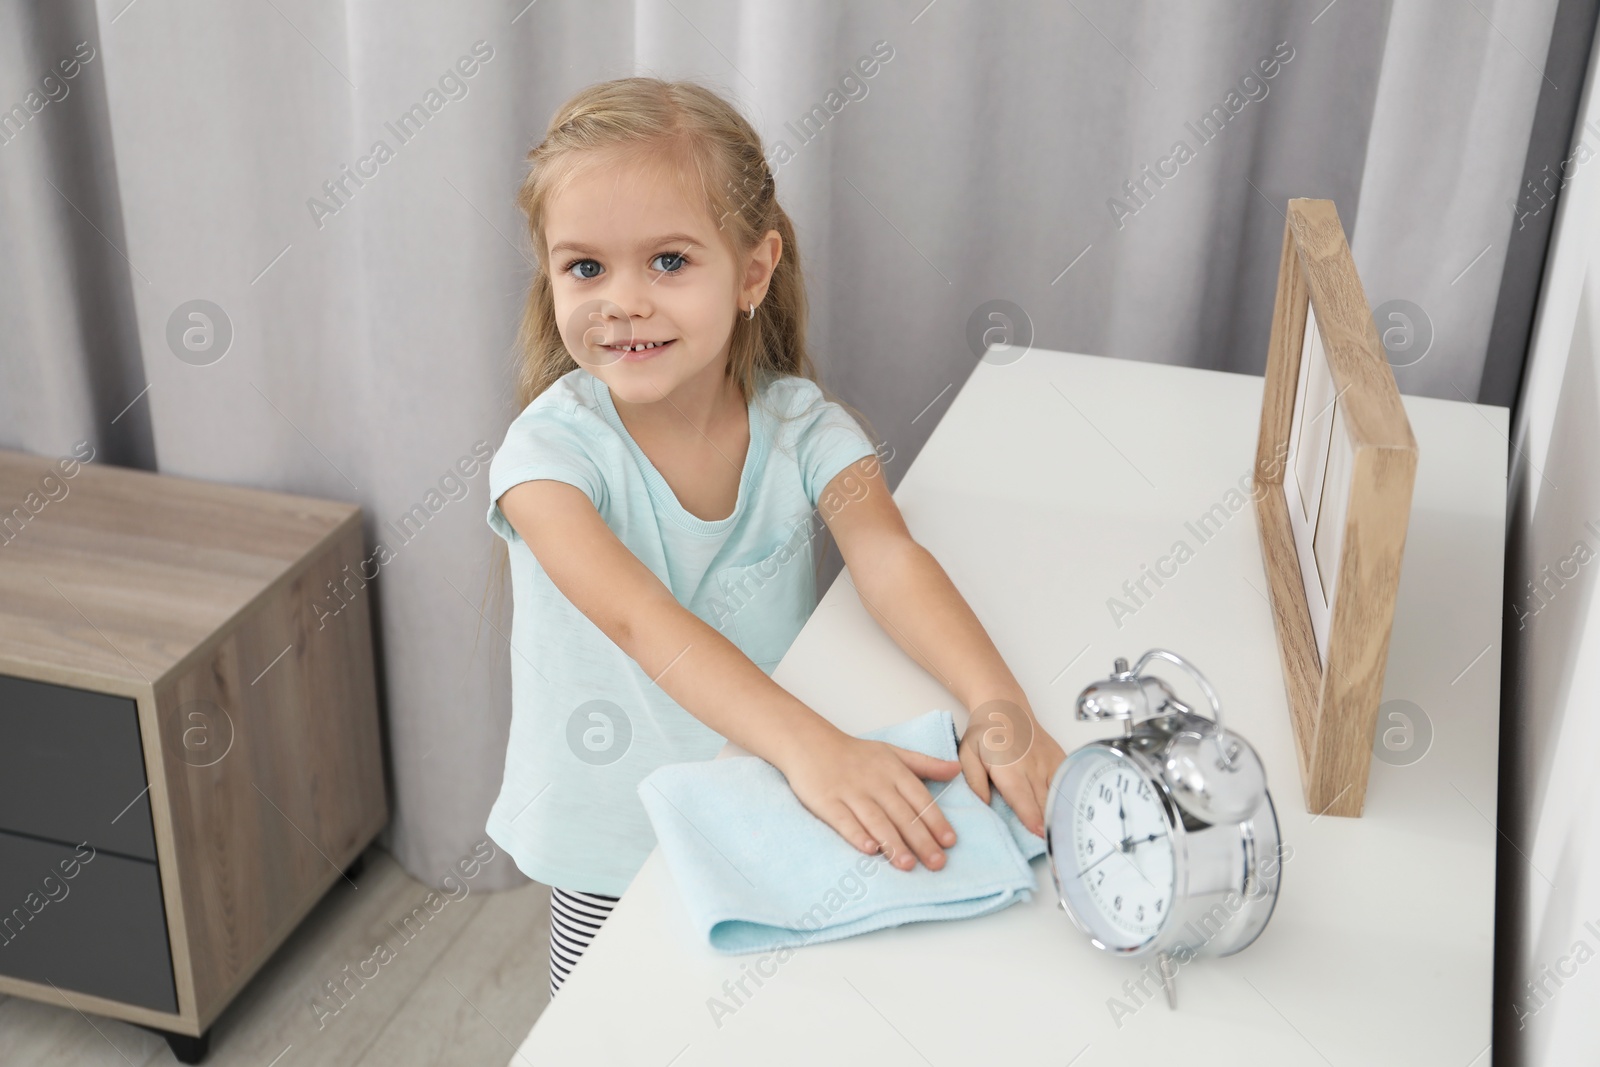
x,y
868,791
903,587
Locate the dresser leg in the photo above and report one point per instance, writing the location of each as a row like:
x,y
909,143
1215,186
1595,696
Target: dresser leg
x,y
187,1048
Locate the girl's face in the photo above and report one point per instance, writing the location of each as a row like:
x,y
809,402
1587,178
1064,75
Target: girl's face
x,y
632,261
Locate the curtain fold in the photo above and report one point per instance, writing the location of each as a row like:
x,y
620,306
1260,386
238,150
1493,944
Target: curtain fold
x,y
1018,159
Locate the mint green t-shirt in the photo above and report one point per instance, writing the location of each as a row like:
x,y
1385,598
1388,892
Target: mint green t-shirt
x,y
587,723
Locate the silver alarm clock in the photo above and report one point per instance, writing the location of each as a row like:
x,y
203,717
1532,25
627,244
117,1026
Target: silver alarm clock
x,y
1164,840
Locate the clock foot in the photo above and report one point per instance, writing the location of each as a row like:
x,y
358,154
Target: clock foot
x,y
1164,964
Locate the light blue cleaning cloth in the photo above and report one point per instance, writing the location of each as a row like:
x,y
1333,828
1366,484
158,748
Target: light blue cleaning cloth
x,y
758,871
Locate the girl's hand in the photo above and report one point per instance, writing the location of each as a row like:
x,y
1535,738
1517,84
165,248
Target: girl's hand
x,y
871,792
1005,742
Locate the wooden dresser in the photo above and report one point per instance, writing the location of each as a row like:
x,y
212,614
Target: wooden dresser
x,y
189,740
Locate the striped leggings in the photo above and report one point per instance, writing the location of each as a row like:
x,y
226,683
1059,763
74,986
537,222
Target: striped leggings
x,y
574,920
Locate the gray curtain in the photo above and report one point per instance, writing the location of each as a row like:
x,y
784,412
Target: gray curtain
x,y
995,170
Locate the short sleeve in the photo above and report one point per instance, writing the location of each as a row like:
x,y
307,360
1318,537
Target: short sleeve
x,y
544,442
827,438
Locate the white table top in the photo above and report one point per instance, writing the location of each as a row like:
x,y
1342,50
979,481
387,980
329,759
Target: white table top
x,y
1380,950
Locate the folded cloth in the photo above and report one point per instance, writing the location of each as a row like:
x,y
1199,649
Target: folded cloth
x,y
758,871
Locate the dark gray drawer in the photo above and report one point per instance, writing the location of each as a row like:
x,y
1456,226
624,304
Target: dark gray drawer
x,y
71,767
92,925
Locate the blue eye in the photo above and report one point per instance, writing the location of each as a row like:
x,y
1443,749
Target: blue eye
x,y
679,261
676,262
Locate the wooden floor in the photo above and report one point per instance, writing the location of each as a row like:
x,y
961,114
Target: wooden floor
x,y
464,990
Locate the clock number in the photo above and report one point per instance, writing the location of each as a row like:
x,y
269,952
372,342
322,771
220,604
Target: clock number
x,y
1091,813
1124,782
1089,846
1140,913
1118,903
1106,794
1100,877
1158,907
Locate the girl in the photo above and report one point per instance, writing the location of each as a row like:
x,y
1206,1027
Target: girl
x,y
656,495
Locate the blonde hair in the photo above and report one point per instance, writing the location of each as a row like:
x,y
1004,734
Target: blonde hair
x,y
693,134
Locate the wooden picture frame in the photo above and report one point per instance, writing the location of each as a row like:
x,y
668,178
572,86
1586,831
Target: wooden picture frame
x,y
1335,462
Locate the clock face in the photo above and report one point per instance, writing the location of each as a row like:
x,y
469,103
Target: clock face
x,y
1112,848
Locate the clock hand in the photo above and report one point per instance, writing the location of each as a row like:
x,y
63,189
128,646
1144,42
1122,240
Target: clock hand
x,y
1127,844
1099,861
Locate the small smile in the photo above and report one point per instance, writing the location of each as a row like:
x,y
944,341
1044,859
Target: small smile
x,y
638,349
